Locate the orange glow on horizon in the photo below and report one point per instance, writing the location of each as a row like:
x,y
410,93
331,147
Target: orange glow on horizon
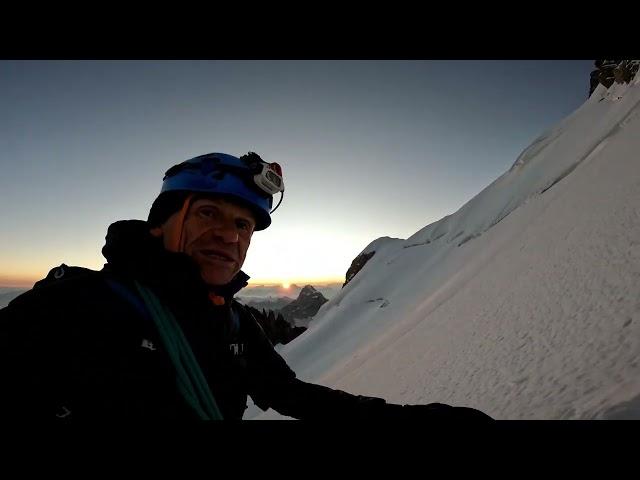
x,y
10,281
285,284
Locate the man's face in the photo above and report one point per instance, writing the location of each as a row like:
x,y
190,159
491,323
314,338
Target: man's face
x,y
217,234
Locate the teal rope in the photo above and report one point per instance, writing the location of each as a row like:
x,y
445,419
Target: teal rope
x,y
190,380
170,339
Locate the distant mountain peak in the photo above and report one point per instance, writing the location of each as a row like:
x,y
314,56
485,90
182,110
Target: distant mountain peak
x,y
306,305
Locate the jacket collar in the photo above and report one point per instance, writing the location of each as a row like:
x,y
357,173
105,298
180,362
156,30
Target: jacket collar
x,y
236,284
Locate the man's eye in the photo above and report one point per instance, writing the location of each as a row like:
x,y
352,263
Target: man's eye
x,y
243,225
208,212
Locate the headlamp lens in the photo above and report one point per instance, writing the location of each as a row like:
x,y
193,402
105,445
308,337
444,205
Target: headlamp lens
x,y
276,168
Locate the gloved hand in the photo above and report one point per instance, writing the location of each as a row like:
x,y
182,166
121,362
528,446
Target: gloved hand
x,y
433,411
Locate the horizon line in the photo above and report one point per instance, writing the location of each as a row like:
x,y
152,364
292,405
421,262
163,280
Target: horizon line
x,y
24,283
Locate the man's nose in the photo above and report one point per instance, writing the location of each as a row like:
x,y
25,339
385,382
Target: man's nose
x,y
226,232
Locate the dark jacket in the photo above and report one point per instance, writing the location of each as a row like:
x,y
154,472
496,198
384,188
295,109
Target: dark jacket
x,y
81,345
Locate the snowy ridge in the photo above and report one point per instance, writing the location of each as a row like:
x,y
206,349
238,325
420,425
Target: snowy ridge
x,y
523,303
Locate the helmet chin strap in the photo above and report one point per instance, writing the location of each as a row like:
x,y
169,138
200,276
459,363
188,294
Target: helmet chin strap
x,y
182,216
173,233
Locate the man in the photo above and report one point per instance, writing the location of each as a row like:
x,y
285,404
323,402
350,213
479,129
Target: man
x,y
156,333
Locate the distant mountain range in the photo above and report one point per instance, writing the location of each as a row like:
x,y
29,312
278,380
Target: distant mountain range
x,y
268,303
255,292
305,306
280,311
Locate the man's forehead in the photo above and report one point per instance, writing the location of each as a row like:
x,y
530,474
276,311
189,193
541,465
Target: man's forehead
x,y
223,203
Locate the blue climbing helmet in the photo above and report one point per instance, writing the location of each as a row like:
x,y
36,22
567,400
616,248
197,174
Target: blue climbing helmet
x,y
248,180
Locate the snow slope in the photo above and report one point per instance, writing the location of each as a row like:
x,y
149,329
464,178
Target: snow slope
x,y
525,303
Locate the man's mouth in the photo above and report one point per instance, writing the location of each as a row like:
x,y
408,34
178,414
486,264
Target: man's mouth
x,y
217,255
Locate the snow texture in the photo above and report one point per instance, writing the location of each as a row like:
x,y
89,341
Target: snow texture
x,y
525,303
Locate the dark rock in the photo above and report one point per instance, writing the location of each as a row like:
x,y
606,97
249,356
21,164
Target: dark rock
x,y
609,71
305,306
357,265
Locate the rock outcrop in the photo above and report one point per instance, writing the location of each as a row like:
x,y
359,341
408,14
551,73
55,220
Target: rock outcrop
x,y
305,306
357,265
609,71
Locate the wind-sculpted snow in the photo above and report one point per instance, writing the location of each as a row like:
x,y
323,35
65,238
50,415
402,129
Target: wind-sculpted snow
x,y
525,303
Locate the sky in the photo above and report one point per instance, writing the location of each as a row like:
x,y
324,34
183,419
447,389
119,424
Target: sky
x,y
368,148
